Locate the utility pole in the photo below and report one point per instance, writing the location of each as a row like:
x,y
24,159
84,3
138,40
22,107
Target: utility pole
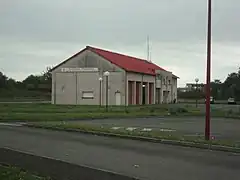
x,y
196,80
100,91
208,90
107,93
106,74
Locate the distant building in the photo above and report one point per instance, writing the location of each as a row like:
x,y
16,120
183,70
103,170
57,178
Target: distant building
x,y
82,79
192,87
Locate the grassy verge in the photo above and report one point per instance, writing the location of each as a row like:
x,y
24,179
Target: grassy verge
x,y
48,112
13,173
138,133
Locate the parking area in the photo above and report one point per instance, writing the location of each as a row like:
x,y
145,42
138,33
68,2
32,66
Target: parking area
x,y
221,128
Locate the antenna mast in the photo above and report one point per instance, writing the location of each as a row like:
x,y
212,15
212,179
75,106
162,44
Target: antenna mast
x,y
148,54
148,50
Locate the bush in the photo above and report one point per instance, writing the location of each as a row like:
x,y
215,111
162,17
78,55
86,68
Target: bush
x,y
229,112
152,110
182,110
179,110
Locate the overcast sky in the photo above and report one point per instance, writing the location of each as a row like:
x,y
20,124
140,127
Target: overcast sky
x,y
35,34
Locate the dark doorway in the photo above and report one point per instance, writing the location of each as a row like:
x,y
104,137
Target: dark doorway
x,y
150,93
138,88
130,92
144,94
158,96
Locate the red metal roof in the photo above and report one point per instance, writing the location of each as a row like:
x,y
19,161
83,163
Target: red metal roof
x,y
127,63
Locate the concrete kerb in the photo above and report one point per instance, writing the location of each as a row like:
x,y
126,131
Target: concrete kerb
x,y
85,119
146,139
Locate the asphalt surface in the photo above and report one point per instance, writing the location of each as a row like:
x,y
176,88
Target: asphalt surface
x,y
133,158
221,128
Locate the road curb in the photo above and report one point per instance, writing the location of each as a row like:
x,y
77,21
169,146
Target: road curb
x,y
146,139
237,118
84,119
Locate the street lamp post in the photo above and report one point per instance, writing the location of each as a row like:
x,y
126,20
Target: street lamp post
x,y
143,94
100,91
208,91
107,75
196,80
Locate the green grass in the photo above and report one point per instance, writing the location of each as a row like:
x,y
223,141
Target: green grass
x,y
20,100
49,112
156,134
13,173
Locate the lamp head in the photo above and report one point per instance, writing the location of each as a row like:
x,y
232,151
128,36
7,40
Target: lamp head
x,y
106,73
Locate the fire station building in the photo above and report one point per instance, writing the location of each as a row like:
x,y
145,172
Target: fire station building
x,y
95,76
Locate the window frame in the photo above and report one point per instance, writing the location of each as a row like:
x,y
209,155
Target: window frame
x,y
88,97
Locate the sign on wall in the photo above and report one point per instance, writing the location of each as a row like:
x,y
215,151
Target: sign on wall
x,y
79,69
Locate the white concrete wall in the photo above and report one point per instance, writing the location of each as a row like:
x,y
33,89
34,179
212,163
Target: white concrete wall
x,y
118,81
75,84
87,81
175,88
65,88
165,85
89,59
116,84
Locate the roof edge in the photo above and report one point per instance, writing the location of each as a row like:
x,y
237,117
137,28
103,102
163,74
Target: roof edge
x,y
66,60
175,76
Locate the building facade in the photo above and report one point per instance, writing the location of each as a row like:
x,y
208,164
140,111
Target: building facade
x,y
99,77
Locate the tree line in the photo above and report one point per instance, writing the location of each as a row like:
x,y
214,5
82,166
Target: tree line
x,y
33,86
219,90
40,86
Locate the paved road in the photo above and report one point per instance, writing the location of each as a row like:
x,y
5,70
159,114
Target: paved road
x,y
222,128
139,159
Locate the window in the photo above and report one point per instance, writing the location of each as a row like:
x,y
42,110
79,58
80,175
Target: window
x,y
169,82
87,95
158,77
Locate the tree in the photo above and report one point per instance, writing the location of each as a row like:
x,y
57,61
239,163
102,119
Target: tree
x,y
31,82
229,88
216,89
46,81
11,84
231,85
3,80
47,76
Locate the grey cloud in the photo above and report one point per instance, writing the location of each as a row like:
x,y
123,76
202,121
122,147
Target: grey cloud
x,y
129,21
41,33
